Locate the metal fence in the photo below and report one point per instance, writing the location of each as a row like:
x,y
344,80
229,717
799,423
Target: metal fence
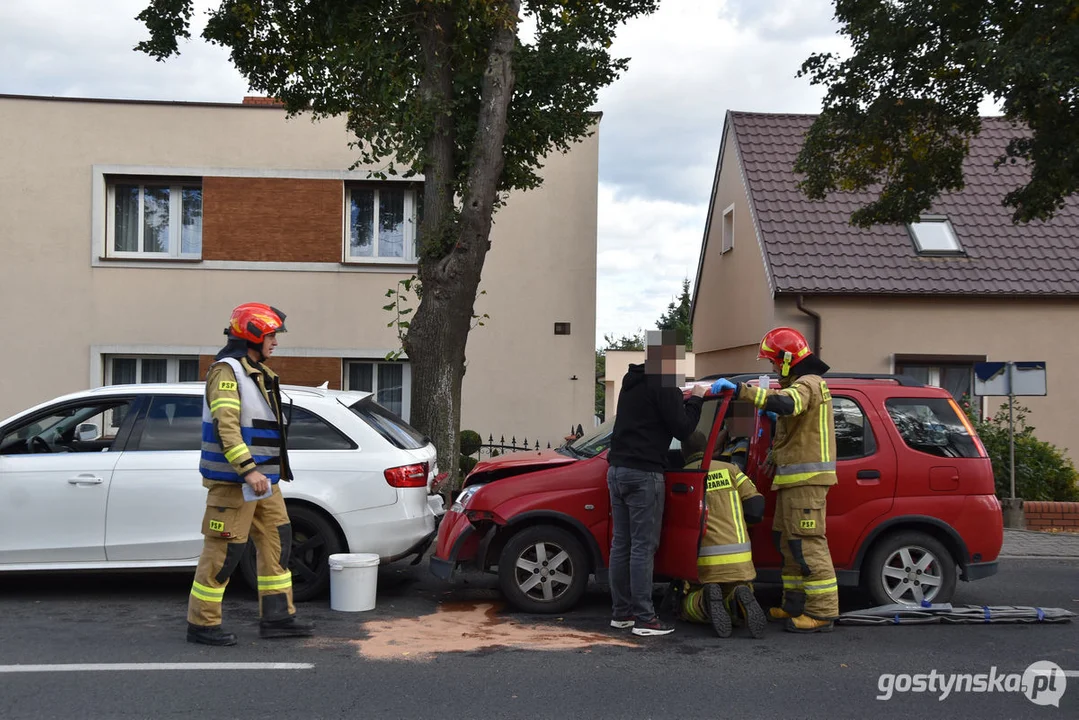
x,y
494,448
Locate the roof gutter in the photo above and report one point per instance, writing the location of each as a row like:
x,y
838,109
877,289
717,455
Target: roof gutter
x,y
800,304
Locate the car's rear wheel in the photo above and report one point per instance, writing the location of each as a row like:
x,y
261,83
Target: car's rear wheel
x,y
908,567
543,569
314,539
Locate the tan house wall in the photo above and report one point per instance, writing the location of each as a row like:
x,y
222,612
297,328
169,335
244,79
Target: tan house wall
x,y
864,335
733,304
731,361
617,364
66,306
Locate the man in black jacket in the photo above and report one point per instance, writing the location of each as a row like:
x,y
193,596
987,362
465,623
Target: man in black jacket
x,y
650,412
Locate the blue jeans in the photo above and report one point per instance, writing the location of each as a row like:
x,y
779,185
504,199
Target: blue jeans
x,y
637,514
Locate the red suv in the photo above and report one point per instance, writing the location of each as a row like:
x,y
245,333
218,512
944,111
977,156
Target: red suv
x,y
914,509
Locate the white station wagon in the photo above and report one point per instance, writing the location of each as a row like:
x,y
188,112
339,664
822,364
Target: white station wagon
x,y
108,479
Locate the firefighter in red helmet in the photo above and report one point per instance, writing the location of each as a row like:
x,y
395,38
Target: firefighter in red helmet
x,y
243,458
803,453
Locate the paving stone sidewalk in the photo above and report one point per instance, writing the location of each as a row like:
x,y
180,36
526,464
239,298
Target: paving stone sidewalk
x,y
1027,543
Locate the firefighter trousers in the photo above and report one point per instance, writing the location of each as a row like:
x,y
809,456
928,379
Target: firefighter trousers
x,y
226,525
809,582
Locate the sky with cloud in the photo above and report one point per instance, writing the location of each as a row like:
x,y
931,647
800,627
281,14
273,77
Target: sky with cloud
x,y
690,62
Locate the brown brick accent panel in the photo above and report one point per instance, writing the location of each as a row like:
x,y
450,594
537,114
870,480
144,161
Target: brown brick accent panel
x,y
311,371
272,219
1051,515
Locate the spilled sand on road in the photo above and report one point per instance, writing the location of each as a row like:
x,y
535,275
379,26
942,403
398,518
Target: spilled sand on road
x,y
464,627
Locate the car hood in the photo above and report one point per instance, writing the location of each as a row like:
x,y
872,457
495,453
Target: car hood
x,y
524,461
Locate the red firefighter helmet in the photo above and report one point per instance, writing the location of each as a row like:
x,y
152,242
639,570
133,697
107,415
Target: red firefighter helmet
x,y
785,347
254,321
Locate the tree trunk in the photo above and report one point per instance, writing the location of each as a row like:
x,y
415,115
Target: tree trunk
x,y
436,338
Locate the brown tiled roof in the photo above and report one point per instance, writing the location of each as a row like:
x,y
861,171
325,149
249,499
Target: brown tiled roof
x,y
812,248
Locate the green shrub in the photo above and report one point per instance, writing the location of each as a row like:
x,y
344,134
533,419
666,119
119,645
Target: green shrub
x,y
470,442
466,465
1042,471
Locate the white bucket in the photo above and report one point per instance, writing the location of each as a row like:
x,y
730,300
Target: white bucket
x,y
353,581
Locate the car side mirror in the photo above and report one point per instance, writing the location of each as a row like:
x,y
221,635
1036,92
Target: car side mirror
x,y
87,432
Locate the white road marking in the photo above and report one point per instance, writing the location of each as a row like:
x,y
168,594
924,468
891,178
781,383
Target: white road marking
x,y
127,667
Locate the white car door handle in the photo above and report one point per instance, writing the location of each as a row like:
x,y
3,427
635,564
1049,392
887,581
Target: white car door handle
x,y
85,480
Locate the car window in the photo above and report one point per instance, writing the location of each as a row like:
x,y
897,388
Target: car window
x,y
390,426
90,426
853,435
593,443
680,452
173,422
931,425
307,431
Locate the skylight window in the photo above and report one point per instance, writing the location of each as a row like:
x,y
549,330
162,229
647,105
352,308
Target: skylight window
x,y
935,236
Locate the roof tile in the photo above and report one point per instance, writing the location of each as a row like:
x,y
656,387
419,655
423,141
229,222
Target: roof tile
x,y
812,247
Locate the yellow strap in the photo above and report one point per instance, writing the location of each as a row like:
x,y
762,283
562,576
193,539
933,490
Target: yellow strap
x,y
796,396
224,402
725,559
284,585
236,451
275,582
797,477
207,594
820,432
821,587
736,513
276,578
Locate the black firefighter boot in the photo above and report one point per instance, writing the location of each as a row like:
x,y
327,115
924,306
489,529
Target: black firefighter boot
x,y
285,627
209,635
717,610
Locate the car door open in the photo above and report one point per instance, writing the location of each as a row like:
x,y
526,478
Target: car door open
x,y
683,509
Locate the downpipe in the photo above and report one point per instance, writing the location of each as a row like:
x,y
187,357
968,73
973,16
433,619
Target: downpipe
x,y
800,304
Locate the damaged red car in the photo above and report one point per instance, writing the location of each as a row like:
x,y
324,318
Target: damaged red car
x,y
914,511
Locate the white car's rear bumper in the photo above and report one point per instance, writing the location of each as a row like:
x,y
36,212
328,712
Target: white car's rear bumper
x,y
392,532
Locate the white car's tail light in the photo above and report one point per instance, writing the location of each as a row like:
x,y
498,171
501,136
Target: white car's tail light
x,y
407,476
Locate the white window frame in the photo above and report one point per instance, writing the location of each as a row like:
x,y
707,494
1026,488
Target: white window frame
x,y
912,228
172,365
727,235
411,227
406,380
176,189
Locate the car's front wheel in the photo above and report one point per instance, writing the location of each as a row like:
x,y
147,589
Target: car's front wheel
x,y
314,539
908,567
543,569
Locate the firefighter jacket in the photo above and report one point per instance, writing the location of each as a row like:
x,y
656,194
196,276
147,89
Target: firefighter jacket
x,y
803,450
242,426
730,496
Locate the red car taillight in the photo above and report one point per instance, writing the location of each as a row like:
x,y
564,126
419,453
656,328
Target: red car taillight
x,y
407,476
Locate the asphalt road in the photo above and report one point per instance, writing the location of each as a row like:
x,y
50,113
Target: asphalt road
x,y
440,651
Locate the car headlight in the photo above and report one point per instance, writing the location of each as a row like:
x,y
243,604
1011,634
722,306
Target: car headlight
x,y
461,502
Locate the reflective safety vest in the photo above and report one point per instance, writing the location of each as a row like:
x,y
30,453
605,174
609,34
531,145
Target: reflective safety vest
x,y
725,554
258,427
804,447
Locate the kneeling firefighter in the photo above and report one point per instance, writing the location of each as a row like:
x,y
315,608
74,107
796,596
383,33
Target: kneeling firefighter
x,y
243,444
725,561
803,453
